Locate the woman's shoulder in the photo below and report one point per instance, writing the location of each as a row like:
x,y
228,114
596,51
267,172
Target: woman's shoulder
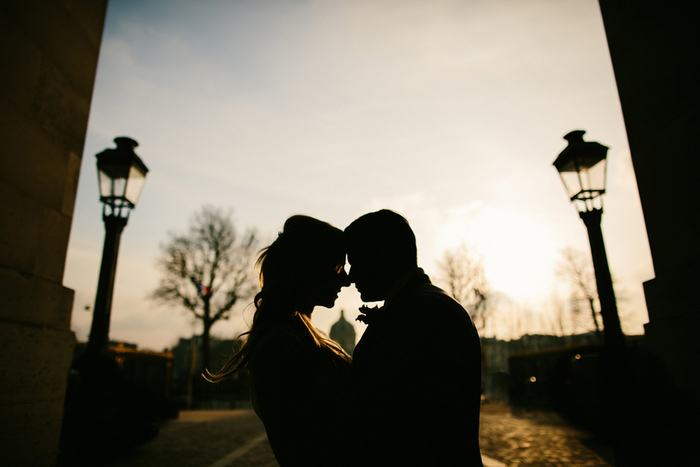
x,y
280,345
280,339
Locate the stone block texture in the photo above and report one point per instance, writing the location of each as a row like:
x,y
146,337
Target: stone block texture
x,y
48,60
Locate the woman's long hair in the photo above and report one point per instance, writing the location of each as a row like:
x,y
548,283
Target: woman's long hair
x,y
305,252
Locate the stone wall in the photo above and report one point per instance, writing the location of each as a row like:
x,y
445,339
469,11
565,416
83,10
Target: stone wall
x,y
48,60
651,45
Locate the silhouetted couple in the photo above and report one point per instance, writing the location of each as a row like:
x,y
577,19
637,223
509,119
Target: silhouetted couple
x,y
411,394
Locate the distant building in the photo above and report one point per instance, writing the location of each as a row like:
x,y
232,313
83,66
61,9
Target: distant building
x,y
144,368
496,374
189,386
344,334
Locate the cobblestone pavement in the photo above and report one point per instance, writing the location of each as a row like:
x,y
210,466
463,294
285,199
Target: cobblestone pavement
x,y
205,438
237,438
537,439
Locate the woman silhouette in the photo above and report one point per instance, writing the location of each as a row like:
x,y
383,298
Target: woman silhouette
x,y
300,379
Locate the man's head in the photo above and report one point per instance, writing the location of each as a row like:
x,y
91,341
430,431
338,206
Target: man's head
x,y
381,247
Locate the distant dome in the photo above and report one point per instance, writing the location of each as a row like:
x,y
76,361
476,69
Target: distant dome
x,y
342,326
344,333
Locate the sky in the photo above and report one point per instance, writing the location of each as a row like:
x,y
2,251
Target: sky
x,y
449,112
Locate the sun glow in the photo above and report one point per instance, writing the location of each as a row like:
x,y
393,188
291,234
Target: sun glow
x,y
519,253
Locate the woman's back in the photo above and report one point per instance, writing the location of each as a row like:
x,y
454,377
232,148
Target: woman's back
x,y
301,391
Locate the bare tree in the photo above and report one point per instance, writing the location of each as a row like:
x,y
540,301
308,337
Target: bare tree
x,y
557,321
463,275
207,270
520,321
576,268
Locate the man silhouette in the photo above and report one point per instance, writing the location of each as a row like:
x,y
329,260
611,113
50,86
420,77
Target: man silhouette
x,y
417,368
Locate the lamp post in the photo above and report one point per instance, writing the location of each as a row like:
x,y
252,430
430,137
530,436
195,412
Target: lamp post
x,y
121,175
581,166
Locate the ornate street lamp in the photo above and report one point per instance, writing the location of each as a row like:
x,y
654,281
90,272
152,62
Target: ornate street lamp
x,y
581,166
121,175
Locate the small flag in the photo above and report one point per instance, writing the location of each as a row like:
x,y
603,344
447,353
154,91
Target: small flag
x,y
203,290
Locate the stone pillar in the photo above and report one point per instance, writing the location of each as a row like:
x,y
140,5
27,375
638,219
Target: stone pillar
x,y
48,60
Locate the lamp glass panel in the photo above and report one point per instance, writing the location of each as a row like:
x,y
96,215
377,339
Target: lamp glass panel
x,y
105,184
135,185
113,179
119,185
593,178
571,182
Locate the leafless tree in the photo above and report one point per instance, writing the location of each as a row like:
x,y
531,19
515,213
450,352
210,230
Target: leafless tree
x,y
520,321
463,275
576,268
557,321
207,270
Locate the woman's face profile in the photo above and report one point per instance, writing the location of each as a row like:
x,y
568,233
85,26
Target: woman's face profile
x,y
327,285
